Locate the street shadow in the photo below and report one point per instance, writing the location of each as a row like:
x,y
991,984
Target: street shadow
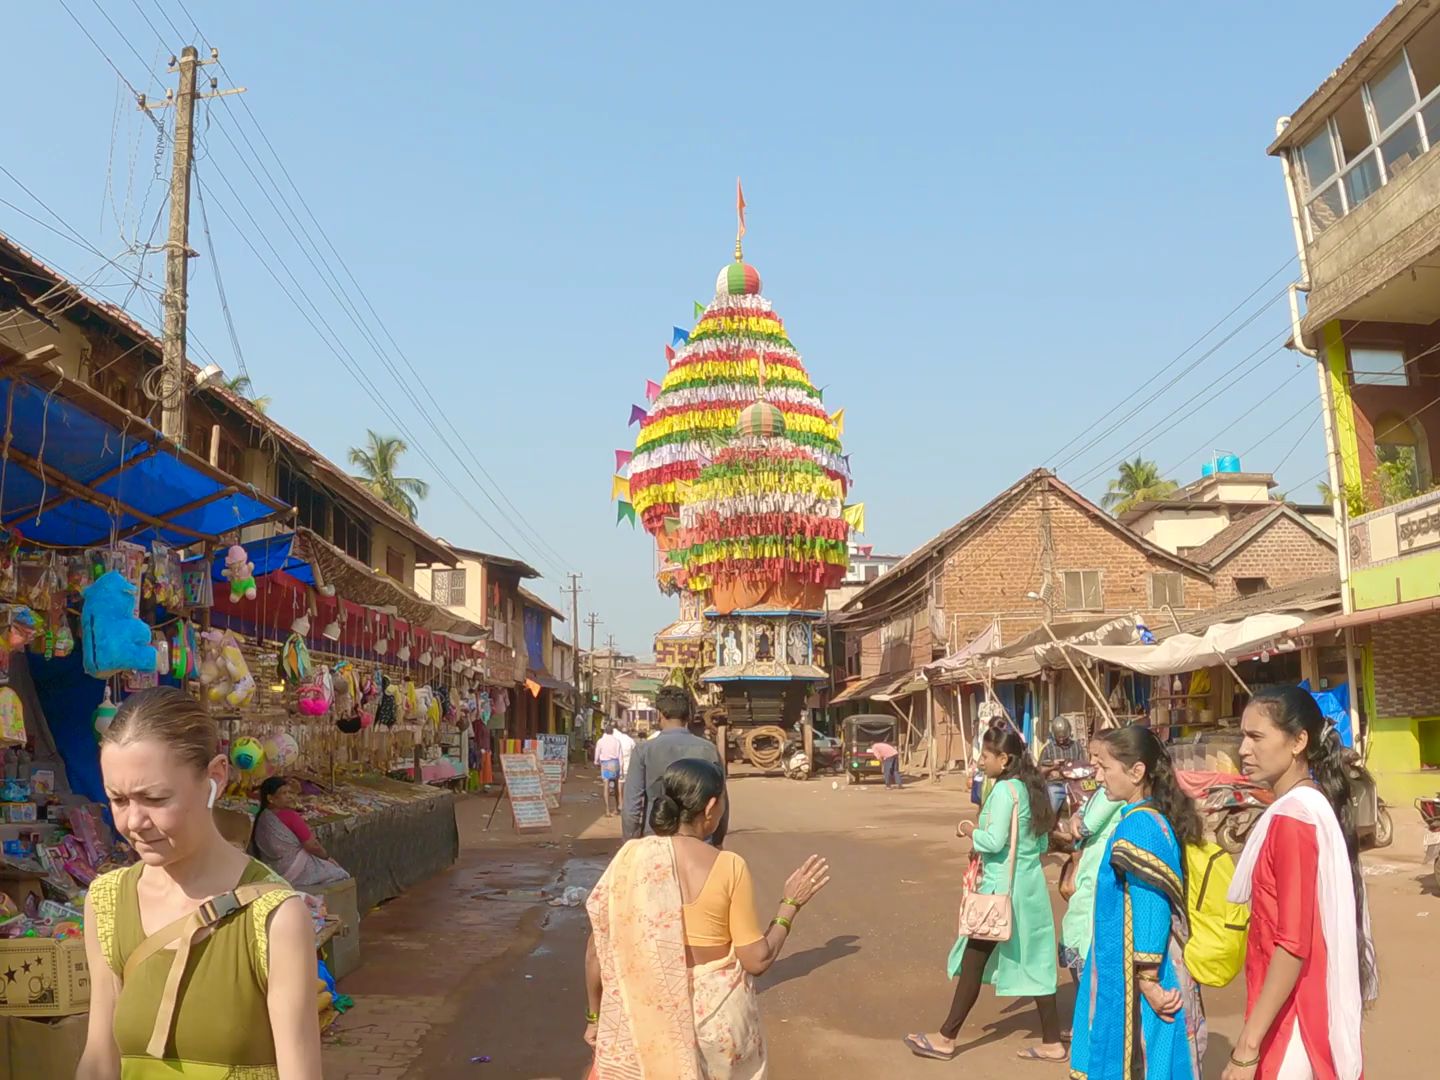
x,y
1217,1055
797,965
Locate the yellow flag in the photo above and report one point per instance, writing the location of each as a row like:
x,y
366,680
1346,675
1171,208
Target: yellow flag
x,y
619,487
839,421
854,516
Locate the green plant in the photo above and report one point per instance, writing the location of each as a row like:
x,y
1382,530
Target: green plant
x,y
377,463
1357,502
1397,482
1138,481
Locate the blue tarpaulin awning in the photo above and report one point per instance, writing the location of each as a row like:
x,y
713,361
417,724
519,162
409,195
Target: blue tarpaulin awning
x,y
80,471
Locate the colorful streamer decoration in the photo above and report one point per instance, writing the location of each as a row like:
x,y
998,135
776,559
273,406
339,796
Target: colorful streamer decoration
x,y
738,470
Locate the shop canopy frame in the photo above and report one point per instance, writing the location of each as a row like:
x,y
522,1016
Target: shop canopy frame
x,y
78,471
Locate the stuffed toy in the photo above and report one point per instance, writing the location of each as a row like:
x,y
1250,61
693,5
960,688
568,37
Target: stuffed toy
x,y
346,691
241,572
223,672
317,693
114,639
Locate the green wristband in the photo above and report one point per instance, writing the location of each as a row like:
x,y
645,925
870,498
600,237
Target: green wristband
x,y
782,921
790,903
592,1017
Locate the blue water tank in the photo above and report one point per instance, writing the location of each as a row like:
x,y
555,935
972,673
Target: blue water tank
x,y
1208,469
1229,463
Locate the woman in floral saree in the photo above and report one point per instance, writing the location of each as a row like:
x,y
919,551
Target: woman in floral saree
x,y
676,943
1137,1011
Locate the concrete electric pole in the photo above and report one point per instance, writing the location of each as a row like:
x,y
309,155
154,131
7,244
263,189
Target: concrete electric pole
x,y
575,633
177,244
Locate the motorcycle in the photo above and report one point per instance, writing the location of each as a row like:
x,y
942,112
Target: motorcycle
x,y
1430,815
1231,807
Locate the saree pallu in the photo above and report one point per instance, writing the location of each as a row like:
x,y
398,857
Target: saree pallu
x,y
659,1018
1140,918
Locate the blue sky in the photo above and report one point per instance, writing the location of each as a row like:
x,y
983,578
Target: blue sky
x,y
983,224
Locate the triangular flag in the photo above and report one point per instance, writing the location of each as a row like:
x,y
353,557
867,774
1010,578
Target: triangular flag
x,y
740,207
652,389
680,337
622,458
845,458
839,421
820,394
533,687
699,310
669,355
854,516
619,487
624,510
637,414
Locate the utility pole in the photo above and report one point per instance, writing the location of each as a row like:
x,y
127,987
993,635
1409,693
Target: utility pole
x,y
610,677
177,245
575,631
590,620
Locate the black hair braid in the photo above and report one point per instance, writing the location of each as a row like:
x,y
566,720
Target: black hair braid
x,y
1294,710
1006,740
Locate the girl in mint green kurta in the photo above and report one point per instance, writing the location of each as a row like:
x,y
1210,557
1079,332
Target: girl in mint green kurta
x,y
1024,964
1097,822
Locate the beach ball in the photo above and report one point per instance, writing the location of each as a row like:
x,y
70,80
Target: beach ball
x,y
281,749
246,754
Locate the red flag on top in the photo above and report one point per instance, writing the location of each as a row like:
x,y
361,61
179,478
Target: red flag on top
x,y
740,206
669,354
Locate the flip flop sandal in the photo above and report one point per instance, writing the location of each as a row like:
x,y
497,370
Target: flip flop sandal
x,y
921,1046
1031,1054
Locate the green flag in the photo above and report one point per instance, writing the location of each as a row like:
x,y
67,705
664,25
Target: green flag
x,y
624,510
699,309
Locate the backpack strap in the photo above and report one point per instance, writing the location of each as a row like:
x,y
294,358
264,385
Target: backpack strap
x,y
182,933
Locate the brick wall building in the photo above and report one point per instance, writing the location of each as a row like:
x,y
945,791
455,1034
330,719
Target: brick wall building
x,y
1265,550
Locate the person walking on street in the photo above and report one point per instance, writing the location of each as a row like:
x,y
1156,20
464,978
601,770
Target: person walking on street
x,y
1063,749
889,763
201,958
1011,835
1138,1012
670,966
627,747
609,752
645,783
1309,961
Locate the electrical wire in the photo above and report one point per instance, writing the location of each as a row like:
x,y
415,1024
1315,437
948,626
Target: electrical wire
x,y
220,286
454,440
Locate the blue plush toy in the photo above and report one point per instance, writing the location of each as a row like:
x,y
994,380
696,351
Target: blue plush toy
x,y
114,639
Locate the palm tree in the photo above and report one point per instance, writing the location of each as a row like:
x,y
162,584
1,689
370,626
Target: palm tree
x,y
377,464
1139,481
241,387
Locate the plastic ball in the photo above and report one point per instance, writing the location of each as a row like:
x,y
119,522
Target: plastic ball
x,y
246,754
281,749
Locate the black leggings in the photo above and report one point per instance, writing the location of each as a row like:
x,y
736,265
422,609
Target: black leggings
x,y
967,992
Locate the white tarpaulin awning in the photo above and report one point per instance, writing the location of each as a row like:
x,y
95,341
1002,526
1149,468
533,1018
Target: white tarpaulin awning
x,y
1191,652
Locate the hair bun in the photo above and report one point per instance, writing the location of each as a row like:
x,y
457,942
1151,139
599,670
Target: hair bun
x,y
665,816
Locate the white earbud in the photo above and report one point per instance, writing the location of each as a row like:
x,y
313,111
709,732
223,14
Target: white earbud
x,y
214,793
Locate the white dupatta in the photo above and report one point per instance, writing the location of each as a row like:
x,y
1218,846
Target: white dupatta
x,y
1335,895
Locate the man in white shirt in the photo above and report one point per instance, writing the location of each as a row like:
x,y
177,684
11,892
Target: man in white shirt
x,y
627,747
609,753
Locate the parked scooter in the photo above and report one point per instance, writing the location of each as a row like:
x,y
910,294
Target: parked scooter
x,y
1430,815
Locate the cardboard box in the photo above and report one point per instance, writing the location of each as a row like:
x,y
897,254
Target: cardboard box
x,y
20,886
342,952
42,977
41,1048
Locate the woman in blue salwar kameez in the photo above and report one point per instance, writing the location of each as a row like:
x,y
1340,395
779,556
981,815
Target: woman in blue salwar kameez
x,y
1138,1012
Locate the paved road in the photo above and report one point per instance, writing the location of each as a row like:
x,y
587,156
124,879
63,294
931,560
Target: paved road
x,y
864,966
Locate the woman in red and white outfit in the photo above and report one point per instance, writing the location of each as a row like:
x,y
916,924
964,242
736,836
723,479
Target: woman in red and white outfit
x,y
1309,964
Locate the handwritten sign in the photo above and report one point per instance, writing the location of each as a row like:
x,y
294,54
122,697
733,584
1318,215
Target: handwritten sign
x,y
552,774
525,786
554,748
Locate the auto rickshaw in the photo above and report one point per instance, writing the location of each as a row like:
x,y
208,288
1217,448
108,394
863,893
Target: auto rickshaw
x,y
862,732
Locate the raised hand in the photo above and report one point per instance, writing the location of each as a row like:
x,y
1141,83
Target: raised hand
x,y
804,883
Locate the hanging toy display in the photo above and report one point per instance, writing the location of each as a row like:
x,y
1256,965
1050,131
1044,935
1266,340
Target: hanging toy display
x,y
280,749
241,573
317,693
223,671
184,653
347,692
12,718
104,714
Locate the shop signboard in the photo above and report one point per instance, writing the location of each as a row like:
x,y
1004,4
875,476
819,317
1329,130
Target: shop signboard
x,y
526,790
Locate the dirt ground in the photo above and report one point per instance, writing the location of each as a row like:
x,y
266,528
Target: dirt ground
x,y
475,963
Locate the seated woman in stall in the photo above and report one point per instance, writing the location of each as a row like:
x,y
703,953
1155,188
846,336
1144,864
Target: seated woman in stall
x,y
285,843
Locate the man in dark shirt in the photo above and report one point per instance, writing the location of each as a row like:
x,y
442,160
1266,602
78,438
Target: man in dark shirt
x,y
650,759
1062,749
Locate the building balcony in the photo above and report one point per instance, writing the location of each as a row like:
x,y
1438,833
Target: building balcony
x,y
1395,553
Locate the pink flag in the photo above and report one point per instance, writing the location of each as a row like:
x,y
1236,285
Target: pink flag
x,y
652,389
669,354
622,458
